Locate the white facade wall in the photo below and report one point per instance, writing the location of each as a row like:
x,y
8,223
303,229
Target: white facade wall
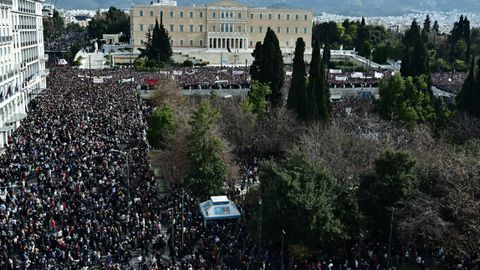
x,y
22,61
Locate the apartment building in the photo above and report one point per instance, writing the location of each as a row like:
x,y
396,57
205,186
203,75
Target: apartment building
x,y
22,61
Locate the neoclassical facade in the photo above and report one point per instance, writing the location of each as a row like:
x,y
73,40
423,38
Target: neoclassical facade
x,y
22,61
221,25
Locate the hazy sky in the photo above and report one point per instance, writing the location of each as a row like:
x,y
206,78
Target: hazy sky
x,y
381,7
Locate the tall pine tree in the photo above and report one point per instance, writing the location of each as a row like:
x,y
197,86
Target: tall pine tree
x,y
255,68
297,93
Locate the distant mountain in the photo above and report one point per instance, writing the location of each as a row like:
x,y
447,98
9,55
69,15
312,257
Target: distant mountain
x,y
345,7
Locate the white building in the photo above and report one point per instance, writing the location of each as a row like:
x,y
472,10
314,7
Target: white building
x,y
22,61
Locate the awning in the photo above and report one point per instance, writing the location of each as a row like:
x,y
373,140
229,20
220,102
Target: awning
x,y
219,207
16,117
6,128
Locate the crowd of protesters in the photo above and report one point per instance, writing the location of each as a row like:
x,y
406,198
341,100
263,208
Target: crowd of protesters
x,y
63,42
451,82
69,202
211,77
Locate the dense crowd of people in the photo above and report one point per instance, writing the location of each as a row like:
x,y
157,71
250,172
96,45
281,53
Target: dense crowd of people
x,y
211,77
63,42
70,203
451,82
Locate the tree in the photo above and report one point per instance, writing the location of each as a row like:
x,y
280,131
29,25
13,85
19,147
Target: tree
x,y
405,99
208,169
415,59
160,127
362,36
468,99
257,97
304,194
53,26
256,67
113,21
272,67
158,47
297,94
318,105
268,66
393,179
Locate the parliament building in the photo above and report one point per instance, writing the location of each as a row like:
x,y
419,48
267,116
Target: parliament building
x,y
220,26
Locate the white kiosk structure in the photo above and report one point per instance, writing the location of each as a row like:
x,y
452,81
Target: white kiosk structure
x,y
218,208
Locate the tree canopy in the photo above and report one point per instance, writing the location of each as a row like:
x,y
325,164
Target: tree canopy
x,y
208,169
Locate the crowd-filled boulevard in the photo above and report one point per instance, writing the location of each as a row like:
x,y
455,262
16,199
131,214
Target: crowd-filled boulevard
x,y
70,202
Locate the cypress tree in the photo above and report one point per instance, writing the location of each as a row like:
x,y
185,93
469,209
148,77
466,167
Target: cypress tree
x,y
255,68
468,100
272,67
165,46
297,95
313,83
325,105
415,57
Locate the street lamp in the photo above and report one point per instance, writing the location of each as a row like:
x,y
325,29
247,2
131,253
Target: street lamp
x,y
127,155
390,239
281,253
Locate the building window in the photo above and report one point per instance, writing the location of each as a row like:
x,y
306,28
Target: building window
x,y
296,17
181,14
141,27
141,13
260,29
269,16
191,42
223,15
181,27
201,43
171,14
214,28
306,17
261,16
251,43
287,44
171,27
288,30
279,16
191,28
141,41
181,42
251,29
239,15
251,15
296,30
161,14
201,14
201,28
150,27
305,30
214,15
288,16
151,13
278,30
239,28
191,14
